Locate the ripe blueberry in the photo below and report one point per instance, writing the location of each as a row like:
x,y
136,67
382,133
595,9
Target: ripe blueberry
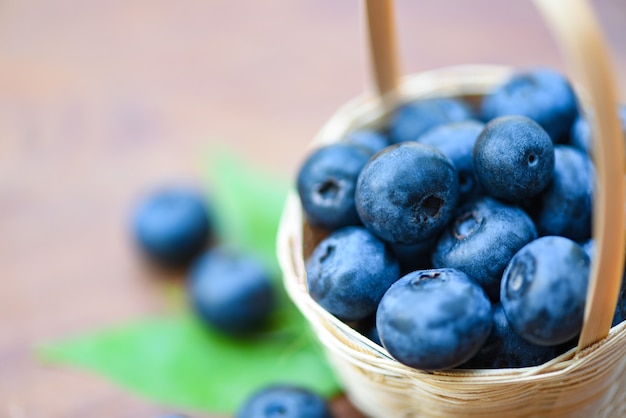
x,y
231,291
284,401
412,119
565,206
349,271
172,225
506,349
544,288
581,136
370,139
407,193
326,183
434,319
481,240
456,140
513,158
541,94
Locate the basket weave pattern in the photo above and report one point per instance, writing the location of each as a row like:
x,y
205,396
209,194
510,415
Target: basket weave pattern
x,y
590,383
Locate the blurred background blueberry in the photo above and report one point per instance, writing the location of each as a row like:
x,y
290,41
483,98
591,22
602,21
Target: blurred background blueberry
x,y
231,291
172,224
284,401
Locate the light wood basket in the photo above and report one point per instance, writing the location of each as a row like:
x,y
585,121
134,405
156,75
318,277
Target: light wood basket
x,y
587,381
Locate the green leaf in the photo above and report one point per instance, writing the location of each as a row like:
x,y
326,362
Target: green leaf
x,y
177,361
248,203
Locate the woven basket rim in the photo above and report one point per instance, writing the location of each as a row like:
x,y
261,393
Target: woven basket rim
x,y
368,110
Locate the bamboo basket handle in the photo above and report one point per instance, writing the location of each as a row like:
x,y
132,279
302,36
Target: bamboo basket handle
x,y
576,29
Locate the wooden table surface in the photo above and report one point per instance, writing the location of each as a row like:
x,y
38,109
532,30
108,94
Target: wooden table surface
x,y
100,100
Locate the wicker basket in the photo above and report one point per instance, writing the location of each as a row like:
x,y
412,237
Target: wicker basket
x,y
587,381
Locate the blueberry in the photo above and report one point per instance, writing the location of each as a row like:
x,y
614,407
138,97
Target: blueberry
x,y
367,327
231,291
581,137
506,349
349,271
326,183
513,158
414,256
284,401
565,206
370,139
541,94
171,225
407,193
456,140
434,319
544,288
481,240
412,119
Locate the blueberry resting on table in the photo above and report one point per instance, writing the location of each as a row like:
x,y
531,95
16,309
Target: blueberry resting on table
x,y
231,291
284,401
171,225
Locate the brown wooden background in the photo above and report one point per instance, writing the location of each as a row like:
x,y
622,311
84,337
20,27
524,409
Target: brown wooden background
x,y
100,99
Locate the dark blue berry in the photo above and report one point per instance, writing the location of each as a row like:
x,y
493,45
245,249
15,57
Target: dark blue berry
x,y
541,94
513,158
231,291
326,183
411,120
284,401
434,319
172,225
544,288
481,240
565,206
414,256
456,140
407,193
581,136
349,271
372,140
506,349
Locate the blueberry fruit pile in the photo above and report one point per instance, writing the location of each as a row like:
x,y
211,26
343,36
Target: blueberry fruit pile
x,y
459,234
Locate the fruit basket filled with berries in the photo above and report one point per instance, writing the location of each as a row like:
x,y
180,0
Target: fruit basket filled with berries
x,y
456,240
